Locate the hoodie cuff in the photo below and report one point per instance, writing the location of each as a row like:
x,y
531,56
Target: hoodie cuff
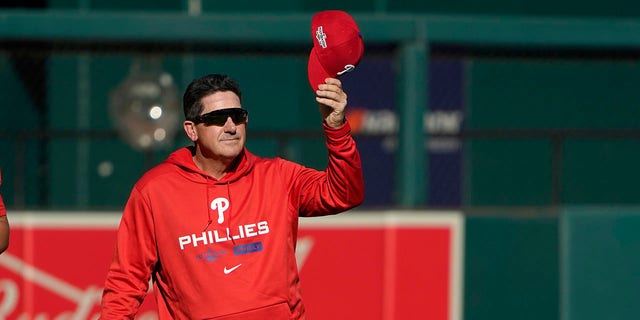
x,y
334,134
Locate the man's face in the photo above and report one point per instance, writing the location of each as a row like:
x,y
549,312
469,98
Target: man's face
x,y
223,142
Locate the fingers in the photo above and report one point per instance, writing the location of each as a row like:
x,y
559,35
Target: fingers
x,y
332,101
331,94
331,84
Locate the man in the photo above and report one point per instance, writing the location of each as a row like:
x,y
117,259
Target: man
x,y
4,224
215,226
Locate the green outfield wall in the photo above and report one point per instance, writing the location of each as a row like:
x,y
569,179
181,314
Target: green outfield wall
x,y
599,263
579,263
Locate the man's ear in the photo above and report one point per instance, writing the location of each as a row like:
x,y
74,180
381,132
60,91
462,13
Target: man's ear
x,y
190,130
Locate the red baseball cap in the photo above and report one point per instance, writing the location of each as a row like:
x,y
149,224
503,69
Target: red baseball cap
x,y
337,46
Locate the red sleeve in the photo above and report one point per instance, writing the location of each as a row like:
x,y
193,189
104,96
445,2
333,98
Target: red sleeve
x,y
341,186
133,261
3,209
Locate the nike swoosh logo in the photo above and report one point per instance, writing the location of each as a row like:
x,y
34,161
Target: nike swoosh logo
x,y
227,271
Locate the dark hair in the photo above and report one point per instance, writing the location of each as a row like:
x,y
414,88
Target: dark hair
x,y
204,86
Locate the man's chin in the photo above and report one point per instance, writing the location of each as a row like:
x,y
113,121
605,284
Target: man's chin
x,y
231,152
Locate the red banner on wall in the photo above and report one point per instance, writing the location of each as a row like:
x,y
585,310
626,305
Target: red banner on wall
x,y
358,265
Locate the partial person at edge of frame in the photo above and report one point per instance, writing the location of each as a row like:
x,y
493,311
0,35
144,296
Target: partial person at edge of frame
x,y
4,223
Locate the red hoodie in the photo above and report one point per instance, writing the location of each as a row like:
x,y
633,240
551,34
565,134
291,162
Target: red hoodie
x,y
225,249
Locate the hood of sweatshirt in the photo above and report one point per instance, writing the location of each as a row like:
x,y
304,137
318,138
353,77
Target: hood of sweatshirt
x,y
183,159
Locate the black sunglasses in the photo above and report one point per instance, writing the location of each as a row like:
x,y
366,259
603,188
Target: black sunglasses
x,y
219,117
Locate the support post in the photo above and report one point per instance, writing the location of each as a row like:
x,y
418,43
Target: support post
x,y
411,160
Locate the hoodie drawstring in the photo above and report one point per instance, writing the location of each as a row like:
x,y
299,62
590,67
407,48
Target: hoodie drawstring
x,y
229,215
208,207
229,210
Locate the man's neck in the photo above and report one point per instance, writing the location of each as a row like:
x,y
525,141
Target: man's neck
x,y
216,168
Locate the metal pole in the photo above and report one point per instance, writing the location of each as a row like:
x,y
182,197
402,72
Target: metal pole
x,y
411,162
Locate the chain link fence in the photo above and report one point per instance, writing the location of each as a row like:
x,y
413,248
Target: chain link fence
x,y
507,125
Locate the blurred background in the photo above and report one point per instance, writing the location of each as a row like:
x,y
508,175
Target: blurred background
x,y
524,116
